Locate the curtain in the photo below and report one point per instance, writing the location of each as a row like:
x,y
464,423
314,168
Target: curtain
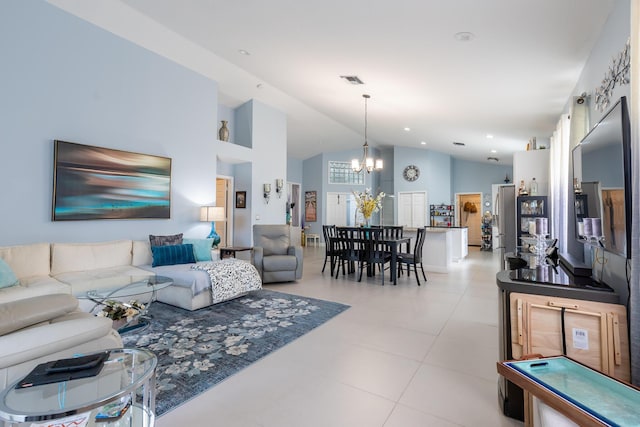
x,y
559,179
634,298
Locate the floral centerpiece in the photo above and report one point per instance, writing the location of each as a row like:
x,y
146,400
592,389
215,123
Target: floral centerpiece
x,y
367,204
121,311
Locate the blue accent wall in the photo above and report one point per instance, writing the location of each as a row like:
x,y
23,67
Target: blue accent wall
x,y
435,173
294,170
477,177
315,177
64,78
312,180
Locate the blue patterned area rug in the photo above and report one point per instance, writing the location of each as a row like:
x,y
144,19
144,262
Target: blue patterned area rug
x,y
198,349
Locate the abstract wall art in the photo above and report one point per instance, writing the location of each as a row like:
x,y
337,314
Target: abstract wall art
x,y
102,183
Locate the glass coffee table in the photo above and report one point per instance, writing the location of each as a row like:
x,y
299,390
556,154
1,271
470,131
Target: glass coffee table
x,y
124,287
127,380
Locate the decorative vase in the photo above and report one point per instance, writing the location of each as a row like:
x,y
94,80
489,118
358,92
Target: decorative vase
x,y
213,234
223,133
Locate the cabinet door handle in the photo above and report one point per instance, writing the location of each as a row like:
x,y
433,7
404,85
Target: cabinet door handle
x,y
519,322
617,354
563,305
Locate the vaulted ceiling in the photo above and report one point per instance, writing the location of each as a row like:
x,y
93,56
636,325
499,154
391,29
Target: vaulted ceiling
x,y
509,78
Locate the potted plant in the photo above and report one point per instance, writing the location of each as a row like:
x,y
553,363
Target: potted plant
x,y
121,312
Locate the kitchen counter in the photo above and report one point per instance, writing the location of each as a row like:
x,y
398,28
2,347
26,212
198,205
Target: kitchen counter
x,y
442,246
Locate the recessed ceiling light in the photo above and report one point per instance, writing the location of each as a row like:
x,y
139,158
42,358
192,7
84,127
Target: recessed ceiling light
x,y
423,143
493,151
489,136
464,36
495,159
407,129
243,52
459,144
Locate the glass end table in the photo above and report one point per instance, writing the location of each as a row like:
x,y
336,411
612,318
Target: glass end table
x,y
127,379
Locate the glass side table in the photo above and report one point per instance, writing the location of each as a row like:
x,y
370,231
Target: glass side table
x,y
127,286
127,376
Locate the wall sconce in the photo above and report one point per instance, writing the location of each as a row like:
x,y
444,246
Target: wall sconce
x,y
212,214
267,192
279,186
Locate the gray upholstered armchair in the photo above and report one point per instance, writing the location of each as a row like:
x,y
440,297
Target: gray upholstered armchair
x,y
274,256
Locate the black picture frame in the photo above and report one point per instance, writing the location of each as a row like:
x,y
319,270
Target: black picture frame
x,y
241,199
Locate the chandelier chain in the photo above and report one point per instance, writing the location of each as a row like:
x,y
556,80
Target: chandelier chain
x,y
367,163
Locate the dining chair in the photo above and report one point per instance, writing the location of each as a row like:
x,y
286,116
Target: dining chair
x,y
414,259
331,250
349,247
393,231
374,253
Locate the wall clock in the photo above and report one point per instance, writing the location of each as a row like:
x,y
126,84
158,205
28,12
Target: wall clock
x,y
411,173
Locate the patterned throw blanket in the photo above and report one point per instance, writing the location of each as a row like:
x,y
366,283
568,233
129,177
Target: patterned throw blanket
x,y
230,278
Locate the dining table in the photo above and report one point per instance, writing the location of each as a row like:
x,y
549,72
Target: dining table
x,y
392,243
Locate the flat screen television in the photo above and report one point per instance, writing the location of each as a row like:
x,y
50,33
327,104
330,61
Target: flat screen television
x,y
602,182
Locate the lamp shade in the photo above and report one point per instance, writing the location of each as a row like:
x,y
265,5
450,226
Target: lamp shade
x,y
212,213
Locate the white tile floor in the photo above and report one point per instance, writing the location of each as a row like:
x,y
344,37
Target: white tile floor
x,y
401,356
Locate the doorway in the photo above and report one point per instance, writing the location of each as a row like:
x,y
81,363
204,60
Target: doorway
x,y
223,198
293,210
469,209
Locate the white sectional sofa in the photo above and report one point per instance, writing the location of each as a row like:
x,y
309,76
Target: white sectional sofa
x,y
38,329
74,268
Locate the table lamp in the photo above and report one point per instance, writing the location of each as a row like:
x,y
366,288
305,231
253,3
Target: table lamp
x,y
212,214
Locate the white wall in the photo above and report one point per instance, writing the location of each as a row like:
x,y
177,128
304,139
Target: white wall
x,y
532,164
269,133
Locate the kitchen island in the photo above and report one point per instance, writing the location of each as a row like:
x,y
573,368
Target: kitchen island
x,y
443,246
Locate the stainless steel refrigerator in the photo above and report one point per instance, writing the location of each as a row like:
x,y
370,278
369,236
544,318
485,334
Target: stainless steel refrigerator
x,y
505,219
510,396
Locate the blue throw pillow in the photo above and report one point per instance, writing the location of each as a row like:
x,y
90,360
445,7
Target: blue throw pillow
x,y
172,254
201,248
7,276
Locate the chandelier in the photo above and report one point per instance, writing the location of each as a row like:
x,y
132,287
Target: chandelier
x,y
367,162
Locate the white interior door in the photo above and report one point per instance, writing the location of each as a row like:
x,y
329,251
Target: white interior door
x,y
337,208
412,209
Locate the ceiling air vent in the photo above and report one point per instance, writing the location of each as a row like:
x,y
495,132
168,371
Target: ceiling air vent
x,y
495,159
354,80
460,144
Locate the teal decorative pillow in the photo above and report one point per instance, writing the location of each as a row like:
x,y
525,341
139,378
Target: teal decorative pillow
x,y
201,248
172,254
7,276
